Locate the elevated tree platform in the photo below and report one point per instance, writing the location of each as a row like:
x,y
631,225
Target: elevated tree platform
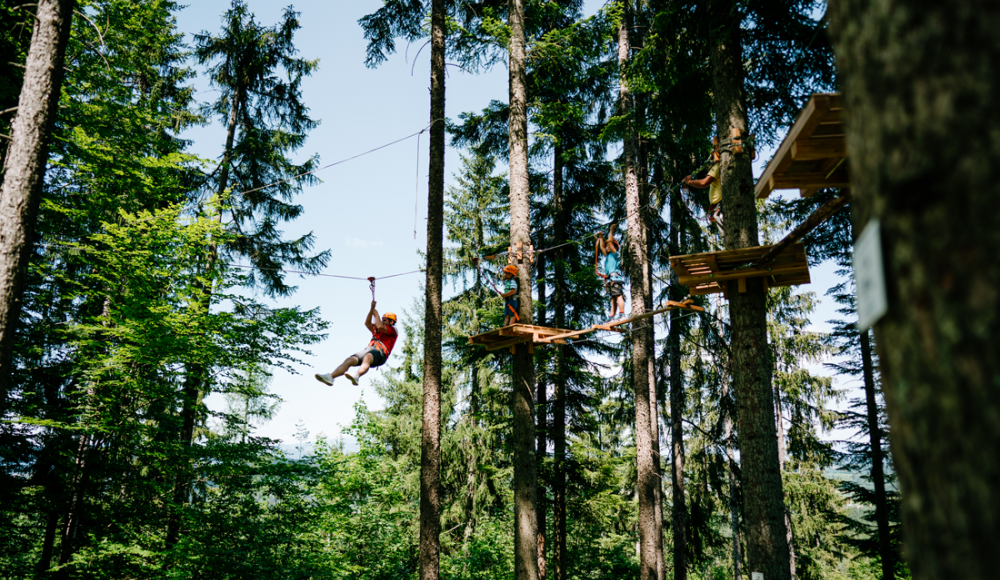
x,y
814,153
708,273
509,336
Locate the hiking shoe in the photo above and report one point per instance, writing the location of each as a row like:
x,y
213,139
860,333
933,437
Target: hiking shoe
x,y
325,379
352,378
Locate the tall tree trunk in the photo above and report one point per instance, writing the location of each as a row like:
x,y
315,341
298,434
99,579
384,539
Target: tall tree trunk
x,y
541,431
649,329
523,366
920,86
727,433
763,510
779,422
470,471
886,553
560,211
24,167
648,478
677,397
196,378
430,447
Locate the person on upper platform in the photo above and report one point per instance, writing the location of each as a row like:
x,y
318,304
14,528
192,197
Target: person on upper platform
x,y
610,271
383,329
511,285
714,185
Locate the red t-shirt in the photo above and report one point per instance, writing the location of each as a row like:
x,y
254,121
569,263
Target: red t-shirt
x,y
384,340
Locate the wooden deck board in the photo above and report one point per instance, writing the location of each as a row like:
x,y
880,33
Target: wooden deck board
x,y
789,268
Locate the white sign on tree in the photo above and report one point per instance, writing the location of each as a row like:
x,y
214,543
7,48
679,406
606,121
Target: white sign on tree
x,y
869,275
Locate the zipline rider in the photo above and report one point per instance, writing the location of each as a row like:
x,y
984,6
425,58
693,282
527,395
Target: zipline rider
x,y
384,336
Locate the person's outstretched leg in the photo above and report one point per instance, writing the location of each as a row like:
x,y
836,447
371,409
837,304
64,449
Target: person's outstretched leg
x,y
339,371
366,363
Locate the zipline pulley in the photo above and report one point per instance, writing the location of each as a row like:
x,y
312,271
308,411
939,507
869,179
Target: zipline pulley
x,y
372,286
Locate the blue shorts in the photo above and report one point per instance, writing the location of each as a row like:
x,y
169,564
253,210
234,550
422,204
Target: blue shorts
x,y
378,357
510,307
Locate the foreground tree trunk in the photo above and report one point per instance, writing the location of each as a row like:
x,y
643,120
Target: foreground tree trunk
x,y
648,478
767,549
920,88
430,442
523,365
24,166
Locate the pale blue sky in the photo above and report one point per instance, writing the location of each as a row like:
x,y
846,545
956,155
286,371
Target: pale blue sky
x,y
363,211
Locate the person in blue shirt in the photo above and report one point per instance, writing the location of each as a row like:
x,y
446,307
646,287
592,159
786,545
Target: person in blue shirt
x,y
510,300
611,271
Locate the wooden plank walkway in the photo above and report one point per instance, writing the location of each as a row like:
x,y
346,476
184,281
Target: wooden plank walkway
x,y
509,336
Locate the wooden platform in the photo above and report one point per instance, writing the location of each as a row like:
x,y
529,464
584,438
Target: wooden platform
x,y
509,336
709,273
506,336
814,153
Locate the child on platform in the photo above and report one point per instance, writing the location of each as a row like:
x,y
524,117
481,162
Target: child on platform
x,y
714,185
511,286
613,279
384,335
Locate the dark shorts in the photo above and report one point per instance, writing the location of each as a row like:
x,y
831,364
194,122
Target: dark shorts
x,y
615,289
378,358
510,307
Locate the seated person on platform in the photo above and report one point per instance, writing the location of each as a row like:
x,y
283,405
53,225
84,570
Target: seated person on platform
x,y
612,275
714,185
511,286
384,335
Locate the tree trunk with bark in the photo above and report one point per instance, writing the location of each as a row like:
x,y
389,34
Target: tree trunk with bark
x,y
24,166
767,549
523,365
677,397
430,441
541,429
886,553
920,85
648,478
560,211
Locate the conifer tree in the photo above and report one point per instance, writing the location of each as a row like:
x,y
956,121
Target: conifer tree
x,y
767,545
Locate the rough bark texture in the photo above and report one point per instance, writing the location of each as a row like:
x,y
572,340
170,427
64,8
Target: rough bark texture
x,y
541,428
767,549
649,329
558,427
920,86
727,434
24,166
523,366
679,508
648,479
878,473
430,439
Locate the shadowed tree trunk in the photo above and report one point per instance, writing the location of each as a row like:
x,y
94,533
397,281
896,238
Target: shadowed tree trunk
x,y
24,166
679,508
541,431
767,549
523,366
648,479
430,445
560,211
920,86
878,473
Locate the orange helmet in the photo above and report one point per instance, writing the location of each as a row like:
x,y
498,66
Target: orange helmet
x,y
391,316
510,269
